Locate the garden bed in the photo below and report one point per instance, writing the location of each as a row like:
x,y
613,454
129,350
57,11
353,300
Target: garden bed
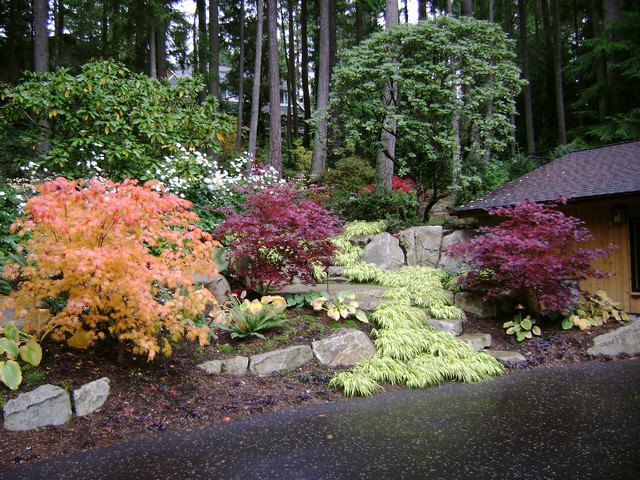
x,y
171,394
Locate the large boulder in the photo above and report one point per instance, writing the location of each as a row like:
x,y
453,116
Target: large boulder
x,y
345,347
384,250
286,359
422,245
90,397
472,302
216,284
623,340
458,236
44,406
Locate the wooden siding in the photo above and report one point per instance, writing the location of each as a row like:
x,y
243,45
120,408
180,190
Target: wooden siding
x,y
598,216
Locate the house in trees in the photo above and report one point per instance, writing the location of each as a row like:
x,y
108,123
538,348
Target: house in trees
x,y
602,188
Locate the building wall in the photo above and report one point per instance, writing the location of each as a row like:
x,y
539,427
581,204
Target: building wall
x,y
598,217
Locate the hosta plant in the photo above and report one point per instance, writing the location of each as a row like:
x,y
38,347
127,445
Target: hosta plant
x,y
343,306
14,344
522,328
594,311
245,318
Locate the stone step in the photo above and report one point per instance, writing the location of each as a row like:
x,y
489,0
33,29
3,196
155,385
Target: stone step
x,y
477,341
453,326
506,356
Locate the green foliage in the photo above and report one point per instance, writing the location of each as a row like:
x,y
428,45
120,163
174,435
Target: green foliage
x,y
10,208
107,120
431,64
353,383
300,300
522,328
248,318
342,306
394,206
594,311
361,227
349,175
15,344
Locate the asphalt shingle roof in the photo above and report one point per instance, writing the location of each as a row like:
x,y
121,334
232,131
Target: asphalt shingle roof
x,y
584,174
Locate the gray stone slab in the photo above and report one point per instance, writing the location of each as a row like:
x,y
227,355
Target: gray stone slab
x,y
44,406
346,347
453,326
285,359
422,245
472,302
506,356
235,366
212,367
623,340
477,341
384,250
90,397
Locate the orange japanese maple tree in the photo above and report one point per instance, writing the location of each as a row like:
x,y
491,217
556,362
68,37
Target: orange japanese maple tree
x,y
106,249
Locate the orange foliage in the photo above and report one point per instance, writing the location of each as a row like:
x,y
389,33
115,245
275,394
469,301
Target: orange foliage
x,y
90,242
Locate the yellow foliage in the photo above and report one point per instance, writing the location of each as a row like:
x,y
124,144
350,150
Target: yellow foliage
x,y
88,243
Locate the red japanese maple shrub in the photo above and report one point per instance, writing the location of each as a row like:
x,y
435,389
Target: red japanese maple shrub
x,y
279,237
534,254
106,250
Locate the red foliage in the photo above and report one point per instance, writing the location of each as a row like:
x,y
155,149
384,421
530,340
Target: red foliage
x,y
279,237
397,184
533,254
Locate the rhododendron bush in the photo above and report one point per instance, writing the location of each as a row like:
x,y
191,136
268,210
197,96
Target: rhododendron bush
x,y
102,252
279,237
534,254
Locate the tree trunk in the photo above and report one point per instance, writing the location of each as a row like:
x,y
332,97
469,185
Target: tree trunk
x,y
59,30
41,36
161,44
306,97
214,51
275,120
466,9
240,80
386,155
153,71
600,67
422,9
526,89
613,13
255,94
293,95
319,158
202,45
12,64
557,67
289,84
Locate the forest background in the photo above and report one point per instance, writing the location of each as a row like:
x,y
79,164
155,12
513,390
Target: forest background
x,y
580,61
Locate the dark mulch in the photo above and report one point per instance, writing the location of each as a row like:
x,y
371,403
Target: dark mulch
x,y
171,394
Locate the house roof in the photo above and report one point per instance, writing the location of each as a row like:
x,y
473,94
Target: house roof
x,y
609,171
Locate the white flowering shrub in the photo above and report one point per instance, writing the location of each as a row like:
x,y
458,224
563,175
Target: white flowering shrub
x,y
209,185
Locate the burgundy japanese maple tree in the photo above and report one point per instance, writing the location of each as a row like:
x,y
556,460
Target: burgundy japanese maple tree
x,y
534,254
279,237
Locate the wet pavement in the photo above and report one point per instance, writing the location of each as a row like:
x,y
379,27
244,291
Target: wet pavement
x,y
579,422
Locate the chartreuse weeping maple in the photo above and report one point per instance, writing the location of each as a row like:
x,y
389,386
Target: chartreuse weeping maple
x,y
103,251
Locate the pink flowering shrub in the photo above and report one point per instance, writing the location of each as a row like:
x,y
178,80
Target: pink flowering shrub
x,y
533,254
279,237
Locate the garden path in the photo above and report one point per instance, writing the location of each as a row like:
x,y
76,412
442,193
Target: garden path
x,y
576,422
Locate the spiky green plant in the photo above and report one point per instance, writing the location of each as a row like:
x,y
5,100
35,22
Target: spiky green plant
x,y
359,227
348,253
383,369
446,312
319,273
362,272
353,383
397,314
